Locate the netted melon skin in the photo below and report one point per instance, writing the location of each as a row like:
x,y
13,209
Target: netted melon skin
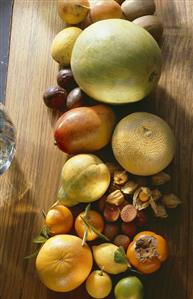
x,y
143,143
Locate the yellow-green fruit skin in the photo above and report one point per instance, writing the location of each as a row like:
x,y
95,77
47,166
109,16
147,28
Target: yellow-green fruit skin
x,y
104,258
63,43
85,178
143,143
98,284
116,61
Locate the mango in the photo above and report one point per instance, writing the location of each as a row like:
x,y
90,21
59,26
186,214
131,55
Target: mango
x,y
84,129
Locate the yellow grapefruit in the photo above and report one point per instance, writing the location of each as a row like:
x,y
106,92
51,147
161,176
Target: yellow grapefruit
x,y
63,263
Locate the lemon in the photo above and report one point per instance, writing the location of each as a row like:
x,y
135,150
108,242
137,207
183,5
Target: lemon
x,y
104,258
63,44
98,284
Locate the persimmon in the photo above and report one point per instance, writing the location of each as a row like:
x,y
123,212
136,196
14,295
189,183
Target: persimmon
x,y
147,252
94,218
59,220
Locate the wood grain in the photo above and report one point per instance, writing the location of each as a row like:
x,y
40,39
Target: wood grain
x,y
38,162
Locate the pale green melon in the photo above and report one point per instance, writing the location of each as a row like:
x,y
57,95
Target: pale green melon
x,y
116,61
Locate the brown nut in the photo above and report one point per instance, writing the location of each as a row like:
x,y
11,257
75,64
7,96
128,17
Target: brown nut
x,y
171,201
55,97
128,213
74,98
160,178
111,230
65,79
115,198
129,188
122,240
101,203
141,219
129,229
133,9
111,213
120,177
152,24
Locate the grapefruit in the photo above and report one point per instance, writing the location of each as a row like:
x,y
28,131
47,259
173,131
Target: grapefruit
x,y
116,61
143,143
63,263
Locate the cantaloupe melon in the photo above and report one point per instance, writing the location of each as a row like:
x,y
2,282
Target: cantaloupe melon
x,y
143,143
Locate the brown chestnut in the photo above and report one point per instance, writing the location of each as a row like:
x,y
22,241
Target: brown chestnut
x,y
122,240
111,230
55,97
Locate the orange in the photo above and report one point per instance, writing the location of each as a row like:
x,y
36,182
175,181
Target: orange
x,y
59,220
95,219
63,263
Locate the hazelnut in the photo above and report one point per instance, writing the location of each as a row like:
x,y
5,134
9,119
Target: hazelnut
x,y
111,213
122,240
111,230
129,229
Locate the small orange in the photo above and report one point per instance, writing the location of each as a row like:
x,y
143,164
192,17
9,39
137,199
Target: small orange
x,y
95,219
59,220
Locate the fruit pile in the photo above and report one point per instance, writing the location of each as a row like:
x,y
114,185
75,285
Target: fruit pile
x,y
107,53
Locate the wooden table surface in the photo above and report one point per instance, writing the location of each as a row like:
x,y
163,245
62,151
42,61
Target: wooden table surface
x,y
38,163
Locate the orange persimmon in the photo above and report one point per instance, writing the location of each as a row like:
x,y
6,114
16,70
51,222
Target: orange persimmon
x,y
95,219
147,252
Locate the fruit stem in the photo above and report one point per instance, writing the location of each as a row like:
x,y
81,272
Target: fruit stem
x,y
85,236
102,271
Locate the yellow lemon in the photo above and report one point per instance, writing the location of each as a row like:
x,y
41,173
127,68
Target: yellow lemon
x,y
63,44
104,258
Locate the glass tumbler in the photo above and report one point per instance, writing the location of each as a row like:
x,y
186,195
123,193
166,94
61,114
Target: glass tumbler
x,y
7,140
